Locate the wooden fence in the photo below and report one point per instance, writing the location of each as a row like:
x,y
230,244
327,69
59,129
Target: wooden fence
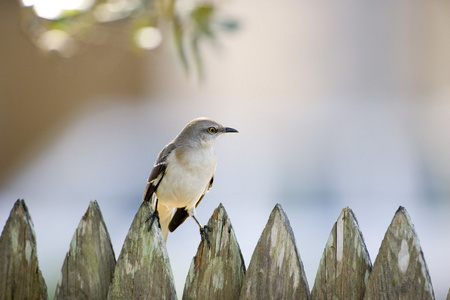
x,y
143,271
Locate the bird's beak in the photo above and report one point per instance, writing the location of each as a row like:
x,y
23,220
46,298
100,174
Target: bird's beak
x,y
229,129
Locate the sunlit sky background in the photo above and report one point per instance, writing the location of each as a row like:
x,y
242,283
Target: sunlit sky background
x,y
337,104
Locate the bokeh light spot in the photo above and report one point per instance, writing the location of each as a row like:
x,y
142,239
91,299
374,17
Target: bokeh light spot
x,y
57,40
148,37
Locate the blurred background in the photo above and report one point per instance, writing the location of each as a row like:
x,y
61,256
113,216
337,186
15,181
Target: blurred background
x,y
337,104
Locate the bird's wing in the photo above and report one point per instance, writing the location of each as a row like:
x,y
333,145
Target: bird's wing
x,y
181,213
157,173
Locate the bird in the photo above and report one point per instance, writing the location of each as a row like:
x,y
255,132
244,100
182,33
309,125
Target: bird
x,y
182,174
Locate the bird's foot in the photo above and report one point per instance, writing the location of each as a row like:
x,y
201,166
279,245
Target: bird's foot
x,y
204,234
153,216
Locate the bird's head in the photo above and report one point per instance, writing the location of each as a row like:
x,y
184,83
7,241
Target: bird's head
x,y
203,131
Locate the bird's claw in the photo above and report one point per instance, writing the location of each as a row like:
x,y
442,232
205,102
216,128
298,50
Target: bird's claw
x,y
204,234
153,216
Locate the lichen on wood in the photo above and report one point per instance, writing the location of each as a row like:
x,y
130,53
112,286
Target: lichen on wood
x,y
400,271
217,271
345,265
276,270
89,264
143,269
20,276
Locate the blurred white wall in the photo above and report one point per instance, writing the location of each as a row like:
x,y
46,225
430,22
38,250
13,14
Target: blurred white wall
x,y
337,103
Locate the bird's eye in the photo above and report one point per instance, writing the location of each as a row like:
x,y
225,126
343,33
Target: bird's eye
x,y
212,130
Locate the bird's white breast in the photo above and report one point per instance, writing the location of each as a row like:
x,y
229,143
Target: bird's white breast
x,y
187,176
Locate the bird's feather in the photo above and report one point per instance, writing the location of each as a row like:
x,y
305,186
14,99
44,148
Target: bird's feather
x,y
157,173
181,213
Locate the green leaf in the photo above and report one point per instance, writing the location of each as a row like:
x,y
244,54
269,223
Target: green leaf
x,y
203,15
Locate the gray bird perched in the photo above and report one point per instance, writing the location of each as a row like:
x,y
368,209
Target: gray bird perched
x,y
182,174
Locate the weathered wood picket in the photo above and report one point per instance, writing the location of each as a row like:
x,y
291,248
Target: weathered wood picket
x,y
90,270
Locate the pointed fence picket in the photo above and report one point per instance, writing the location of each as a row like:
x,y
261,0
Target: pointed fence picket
x,y
89,265
20,276
217,271
143,270
400,271
275,270
345,264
